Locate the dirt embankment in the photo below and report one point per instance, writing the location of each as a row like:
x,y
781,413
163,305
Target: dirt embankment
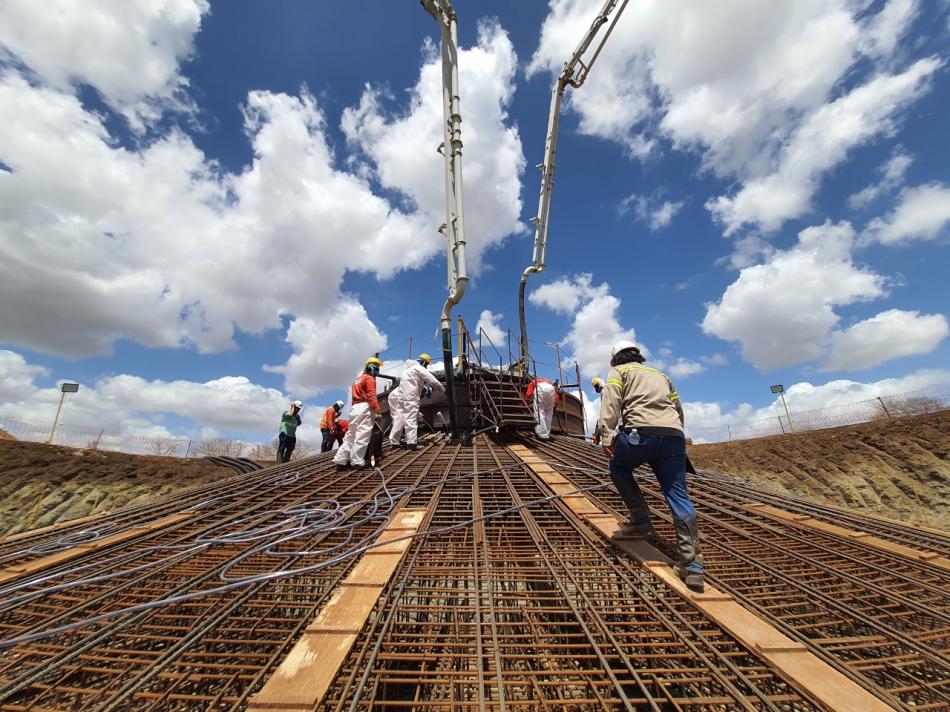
x,y
45,484
896,468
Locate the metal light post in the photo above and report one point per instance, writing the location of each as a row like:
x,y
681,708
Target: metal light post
x,y
780,389
64,388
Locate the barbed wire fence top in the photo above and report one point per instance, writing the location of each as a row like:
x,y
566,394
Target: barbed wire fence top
x,y
916,402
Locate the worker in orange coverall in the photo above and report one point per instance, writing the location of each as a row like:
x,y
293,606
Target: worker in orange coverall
x,y
339,432
363,410
328,425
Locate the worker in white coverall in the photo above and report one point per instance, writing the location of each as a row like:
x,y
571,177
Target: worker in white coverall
x,y
544,396
404,400
363,410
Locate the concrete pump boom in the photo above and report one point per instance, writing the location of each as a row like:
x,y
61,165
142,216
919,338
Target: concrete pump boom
x,y
574,74
451,150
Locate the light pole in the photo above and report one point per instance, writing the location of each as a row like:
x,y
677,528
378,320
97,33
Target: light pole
x,y
64,388
780,389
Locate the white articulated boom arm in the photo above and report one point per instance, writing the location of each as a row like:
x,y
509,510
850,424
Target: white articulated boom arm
x,y
574,74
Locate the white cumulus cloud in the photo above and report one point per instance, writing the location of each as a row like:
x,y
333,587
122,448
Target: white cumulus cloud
x,y
892,177
819,144
129,50
782,311
921,214
158,244
130,405
888,335
761,89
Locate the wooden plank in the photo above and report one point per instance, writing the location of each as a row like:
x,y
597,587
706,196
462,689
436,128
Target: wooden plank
x,y
789,658
59,525
931,557
18,570
304,676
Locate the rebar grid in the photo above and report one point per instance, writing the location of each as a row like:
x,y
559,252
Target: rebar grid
x,y
880,617
211,650
529,611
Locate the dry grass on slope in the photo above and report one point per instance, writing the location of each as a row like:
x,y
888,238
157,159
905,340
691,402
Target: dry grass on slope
x,y
896,468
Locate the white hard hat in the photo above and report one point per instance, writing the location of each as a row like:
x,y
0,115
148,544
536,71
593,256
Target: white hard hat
x,y
622,346
339,404
299,404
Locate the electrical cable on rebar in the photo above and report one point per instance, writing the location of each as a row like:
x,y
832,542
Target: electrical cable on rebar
x,y
376,516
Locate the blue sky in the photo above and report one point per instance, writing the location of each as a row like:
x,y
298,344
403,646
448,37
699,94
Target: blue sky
x,y
205,209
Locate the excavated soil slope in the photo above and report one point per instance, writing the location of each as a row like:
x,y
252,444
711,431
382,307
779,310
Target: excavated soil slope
x,y
45,484
896,468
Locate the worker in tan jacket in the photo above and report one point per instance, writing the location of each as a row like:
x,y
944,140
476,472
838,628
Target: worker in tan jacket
x,y
641,422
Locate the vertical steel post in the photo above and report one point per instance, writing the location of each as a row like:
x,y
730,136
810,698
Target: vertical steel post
x,y
787,414
881,401
52,431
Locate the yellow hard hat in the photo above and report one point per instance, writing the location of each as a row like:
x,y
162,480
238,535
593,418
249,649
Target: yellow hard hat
x,y
373,361
426,357
595,381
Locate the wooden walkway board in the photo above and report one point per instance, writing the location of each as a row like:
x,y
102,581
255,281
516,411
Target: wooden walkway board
x,y
58,525
305,675
17,570
787,657
803,520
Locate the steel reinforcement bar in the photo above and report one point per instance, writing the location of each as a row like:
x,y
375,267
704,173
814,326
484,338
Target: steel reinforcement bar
x,y
528,610
202,647
881,618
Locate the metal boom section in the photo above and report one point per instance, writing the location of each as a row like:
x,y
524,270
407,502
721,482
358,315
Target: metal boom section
x,y
574,74
451,150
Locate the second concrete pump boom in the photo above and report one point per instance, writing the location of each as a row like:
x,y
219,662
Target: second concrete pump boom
x,y
574,74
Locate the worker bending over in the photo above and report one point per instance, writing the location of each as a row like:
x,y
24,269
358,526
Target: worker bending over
x,y
643,402
363,410
328,425
543,394
339,432
287,436
404,400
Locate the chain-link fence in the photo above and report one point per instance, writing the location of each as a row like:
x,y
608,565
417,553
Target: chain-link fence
x,y
919,402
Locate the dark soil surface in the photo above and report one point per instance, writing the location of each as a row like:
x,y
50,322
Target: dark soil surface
x,y
896,468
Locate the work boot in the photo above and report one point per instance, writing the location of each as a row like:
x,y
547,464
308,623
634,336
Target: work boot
x,y
690,566
412,446
630,532
639,512
340,467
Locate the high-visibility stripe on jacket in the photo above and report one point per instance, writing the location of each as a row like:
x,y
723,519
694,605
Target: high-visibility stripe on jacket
x,y
328,421
363,390
637,396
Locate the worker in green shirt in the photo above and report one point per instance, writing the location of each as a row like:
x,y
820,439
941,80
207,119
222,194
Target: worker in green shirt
x,y
287,437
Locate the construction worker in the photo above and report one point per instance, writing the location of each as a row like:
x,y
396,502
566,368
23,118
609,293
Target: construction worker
x,y
328,426
404,400
287,436
363,410
647,409
543,394
339,432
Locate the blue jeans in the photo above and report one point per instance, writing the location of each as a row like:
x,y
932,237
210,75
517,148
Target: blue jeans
x,y
666,456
